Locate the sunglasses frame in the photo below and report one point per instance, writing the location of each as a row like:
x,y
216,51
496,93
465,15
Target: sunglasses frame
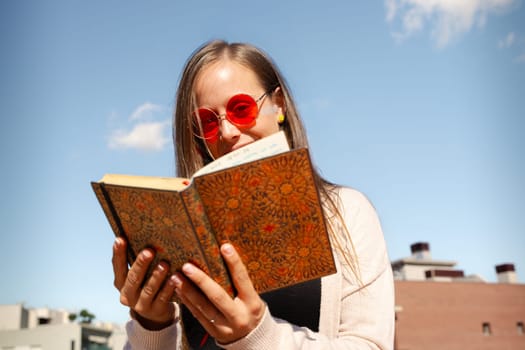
x,y
197,126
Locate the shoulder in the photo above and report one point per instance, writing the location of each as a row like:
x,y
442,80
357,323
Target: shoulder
x,y
365,231
351,196
354,205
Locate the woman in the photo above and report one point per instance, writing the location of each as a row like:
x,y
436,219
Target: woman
x,y
352,309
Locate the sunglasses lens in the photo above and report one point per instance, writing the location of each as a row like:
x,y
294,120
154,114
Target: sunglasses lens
x,y
242,110
207,123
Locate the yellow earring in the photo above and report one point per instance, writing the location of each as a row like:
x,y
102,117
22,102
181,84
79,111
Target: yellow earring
x,y
280,118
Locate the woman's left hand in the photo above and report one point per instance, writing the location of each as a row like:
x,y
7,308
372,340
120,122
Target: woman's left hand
x,y
224,318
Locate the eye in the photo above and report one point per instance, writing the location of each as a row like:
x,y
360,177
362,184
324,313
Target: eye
x,y
209,118
205,116
241,109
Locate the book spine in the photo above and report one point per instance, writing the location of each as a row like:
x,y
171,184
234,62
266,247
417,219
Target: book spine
x,y
204,231
111,215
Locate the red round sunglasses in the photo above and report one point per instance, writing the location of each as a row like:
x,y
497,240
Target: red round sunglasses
x,y
241,110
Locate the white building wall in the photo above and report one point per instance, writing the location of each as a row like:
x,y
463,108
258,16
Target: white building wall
x,y
417,272
54,316
12,317
20,330
118,339
48,337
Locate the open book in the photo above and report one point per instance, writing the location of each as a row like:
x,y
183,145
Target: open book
x,y
262,198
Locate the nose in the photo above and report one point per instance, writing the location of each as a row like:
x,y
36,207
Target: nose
x,y
229,132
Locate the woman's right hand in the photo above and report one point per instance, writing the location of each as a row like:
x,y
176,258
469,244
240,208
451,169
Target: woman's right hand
x,y
150,304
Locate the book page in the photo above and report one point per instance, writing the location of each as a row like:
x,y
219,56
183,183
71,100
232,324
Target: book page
x,y
161,183
262,148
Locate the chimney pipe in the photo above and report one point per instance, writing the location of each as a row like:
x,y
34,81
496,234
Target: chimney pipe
x,y
506,273
421,251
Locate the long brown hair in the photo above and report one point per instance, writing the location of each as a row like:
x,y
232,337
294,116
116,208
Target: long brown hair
x,y
190,153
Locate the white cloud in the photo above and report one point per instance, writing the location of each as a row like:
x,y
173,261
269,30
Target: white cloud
x,y
147,136
391,9
507,41
145,111
521,58
141,131
511,40
447,19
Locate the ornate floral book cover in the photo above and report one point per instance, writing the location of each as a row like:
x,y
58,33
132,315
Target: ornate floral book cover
x,y
269,209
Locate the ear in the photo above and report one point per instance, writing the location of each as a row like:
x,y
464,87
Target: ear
x,y
279,101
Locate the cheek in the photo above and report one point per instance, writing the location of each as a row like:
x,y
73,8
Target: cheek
x,y
268,125
268,118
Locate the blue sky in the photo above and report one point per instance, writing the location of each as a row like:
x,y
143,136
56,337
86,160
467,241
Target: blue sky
x,y
418,104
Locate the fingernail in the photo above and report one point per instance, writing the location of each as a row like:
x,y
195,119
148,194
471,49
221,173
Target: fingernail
x,y
227,249
176,281
147,253
188,269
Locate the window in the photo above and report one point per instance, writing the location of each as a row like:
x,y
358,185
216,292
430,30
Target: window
x,y
519,326
486,329
43,320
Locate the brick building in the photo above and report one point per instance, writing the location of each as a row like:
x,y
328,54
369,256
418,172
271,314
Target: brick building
x,y
440,308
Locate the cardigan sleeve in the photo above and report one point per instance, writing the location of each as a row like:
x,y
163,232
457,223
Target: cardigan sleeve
x,y
357,312
139,338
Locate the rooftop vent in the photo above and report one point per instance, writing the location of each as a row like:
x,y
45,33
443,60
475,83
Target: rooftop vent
x,y
506,273
421,250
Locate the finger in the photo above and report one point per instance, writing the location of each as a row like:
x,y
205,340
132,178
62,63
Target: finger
x,y
208,316
238,272
131,289
152,286
211,289
120,263
253,306
204,297
165,295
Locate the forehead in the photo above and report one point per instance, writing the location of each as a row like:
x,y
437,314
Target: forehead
x,y
219,81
